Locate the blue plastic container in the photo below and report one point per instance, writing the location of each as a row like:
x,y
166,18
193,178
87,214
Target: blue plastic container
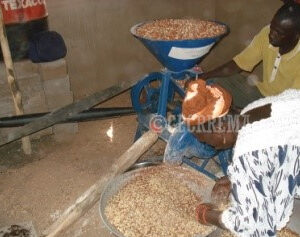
x,y
178,55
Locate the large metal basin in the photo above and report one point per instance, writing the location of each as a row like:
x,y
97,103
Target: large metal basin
x,y
116,184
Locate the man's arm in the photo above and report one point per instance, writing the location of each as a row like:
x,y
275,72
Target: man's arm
x,y
244,61
225,70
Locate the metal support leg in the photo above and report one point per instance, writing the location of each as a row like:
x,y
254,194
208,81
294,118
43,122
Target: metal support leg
x,y
178,89
163,97
199,168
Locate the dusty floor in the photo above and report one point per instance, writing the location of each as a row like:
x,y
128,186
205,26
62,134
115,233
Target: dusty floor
x,y
40,187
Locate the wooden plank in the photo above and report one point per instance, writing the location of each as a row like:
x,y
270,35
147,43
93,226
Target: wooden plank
x,y
92,195
64,112
14,88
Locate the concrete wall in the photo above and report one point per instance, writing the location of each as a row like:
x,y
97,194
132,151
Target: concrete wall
x,y
101,49
44,87
245,19
103,52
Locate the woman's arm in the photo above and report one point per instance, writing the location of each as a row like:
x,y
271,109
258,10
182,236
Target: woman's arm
x,y
208,215
259,113
221,191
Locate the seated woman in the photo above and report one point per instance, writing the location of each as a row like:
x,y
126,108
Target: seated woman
x,y
264,176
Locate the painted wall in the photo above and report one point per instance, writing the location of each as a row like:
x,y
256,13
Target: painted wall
x,y
103,52
101,49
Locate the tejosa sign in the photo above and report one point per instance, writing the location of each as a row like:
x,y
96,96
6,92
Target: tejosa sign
x,y
18,11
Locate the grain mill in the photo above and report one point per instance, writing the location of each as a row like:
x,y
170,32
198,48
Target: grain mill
x,y
157,97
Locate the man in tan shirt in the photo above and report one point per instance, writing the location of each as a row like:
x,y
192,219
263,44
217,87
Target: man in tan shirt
x,y
278,47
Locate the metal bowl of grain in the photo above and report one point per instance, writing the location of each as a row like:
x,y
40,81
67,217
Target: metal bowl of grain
x,y
155,201
146,163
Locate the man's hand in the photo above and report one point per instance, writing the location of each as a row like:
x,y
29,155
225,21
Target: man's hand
x,y
221,190
188,81
198,71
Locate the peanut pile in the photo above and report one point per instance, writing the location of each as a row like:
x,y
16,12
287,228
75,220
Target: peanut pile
x,y
180,29
157,203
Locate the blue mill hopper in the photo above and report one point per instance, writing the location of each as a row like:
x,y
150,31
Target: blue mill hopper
x,y
158,95
178,55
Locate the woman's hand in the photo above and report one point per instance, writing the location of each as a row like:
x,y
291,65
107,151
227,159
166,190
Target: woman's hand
x,y
221,191
208,215
201,211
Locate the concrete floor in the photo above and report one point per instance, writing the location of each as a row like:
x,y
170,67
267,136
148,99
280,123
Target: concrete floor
x,y
39,188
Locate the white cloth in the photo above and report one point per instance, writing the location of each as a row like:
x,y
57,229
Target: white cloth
x,y
265,172
283,127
